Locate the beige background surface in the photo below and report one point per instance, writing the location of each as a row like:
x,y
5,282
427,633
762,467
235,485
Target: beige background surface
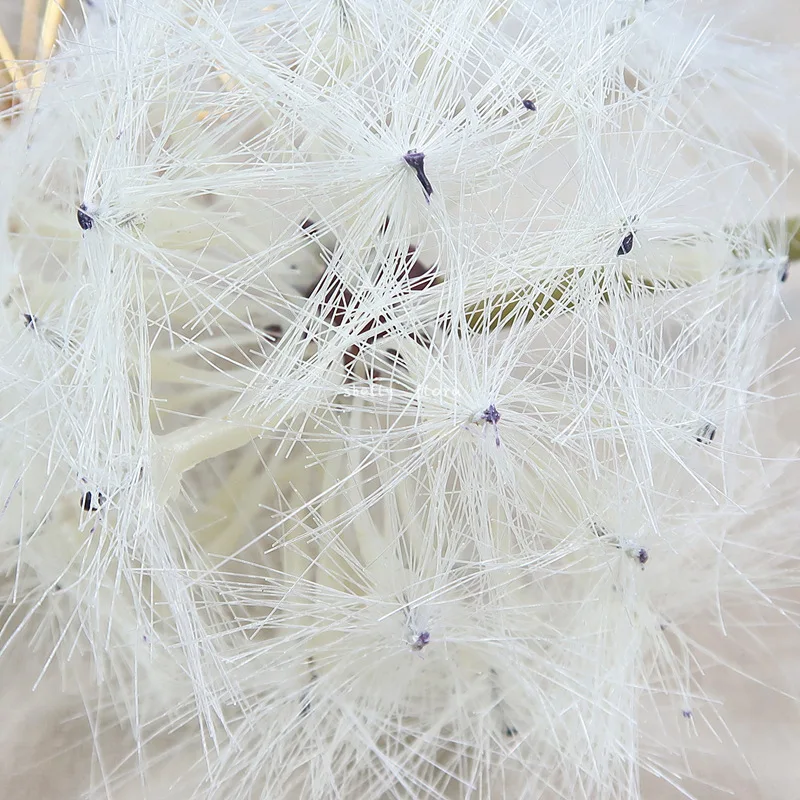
x,y
46,745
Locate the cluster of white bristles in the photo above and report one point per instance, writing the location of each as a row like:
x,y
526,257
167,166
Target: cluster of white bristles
x,y
378,386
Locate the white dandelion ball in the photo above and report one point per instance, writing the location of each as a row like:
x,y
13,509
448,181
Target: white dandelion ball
x,y
384,384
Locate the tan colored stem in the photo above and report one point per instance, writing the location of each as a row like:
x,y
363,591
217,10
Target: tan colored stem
x,y
29,29
11,64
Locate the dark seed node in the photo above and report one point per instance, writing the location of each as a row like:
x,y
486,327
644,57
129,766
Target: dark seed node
x,y
642,556
627,244
90,503
30,321
423,639
510,731
785,272
687,714
491,415
598,530
707,434
416,161
529,104
84,219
